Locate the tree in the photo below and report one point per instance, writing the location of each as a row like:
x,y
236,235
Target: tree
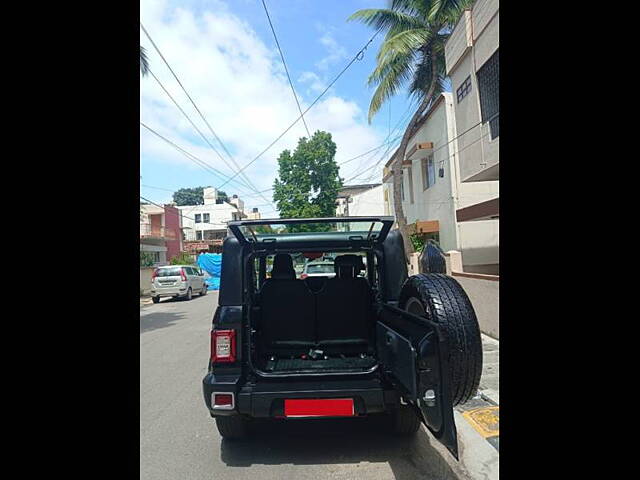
x,y
411,55
144,61
189,196
308,181
194,196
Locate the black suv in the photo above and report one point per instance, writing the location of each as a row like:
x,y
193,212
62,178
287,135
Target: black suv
x,y
370,340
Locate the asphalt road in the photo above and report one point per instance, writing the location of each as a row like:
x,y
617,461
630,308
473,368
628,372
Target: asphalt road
x,y
179,440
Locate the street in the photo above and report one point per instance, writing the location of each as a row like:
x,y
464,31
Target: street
x,y
179,440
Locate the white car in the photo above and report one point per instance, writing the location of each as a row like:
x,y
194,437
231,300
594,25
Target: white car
x,y
177,281
318,269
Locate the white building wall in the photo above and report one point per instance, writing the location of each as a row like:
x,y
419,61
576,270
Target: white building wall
x,y
478,241
219,215
479,154
369,202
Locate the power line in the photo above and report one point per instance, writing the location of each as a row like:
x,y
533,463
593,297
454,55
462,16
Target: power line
x,y
358,56
208,168
285,68
157,188
192,122
249,183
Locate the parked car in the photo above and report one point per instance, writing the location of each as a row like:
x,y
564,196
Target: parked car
x,y
177,281
347,346
318,269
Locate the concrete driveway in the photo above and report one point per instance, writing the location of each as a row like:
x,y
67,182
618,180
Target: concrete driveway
x,y
178,438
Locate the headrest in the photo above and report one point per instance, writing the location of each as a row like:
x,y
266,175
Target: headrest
x,y
348,266
283,267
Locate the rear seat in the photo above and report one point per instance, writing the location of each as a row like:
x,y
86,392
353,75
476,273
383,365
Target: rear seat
x,y
335,318
343,309
288,311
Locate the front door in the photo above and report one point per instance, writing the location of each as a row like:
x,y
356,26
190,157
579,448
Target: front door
x,y
413,353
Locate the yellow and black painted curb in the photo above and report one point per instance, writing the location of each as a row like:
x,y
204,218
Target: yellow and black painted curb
x,y
484,417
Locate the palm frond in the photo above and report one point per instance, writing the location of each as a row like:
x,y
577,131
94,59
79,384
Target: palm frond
x,y
144,61
395,74
405,42
386,19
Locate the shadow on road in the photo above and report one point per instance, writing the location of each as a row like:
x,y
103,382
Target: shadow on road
x,y
153,321
313,442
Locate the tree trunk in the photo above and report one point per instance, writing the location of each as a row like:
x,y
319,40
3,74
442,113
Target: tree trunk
x,y
397,164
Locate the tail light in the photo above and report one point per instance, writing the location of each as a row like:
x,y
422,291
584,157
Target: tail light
x,y
154,274
183,275
223,346
303,276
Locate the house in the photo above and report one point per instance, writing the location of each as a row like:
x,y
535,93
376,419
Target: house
x,y
360,200
160,232
432,190
472,63
205,226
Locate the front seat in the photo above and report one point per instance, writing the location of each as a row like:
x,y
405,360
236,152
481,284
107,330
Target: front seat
x,y
344,320
288,313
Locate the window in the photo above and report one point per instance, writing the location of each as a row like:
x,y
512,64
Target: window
x,y
410,170
168,272
205,217
489,88
428,172
156,257
198,234
198,218
464,89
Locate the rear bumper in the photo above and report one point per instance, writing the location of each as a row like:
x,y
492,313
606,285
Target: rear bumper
x,y
168,291
266,400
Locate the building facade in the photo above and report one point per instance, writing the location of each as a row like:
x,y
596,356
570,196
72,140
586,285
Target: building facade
x,y
360,200
205,226
473,65
432,190
160,232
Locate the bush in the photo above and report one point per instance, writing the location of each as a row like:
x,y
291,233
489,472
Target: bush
x,y
146,259
418,242
183,258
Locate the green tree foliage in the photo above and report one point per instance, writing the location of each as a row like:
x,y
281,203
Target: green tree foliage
x,y
183,258
146,259
194,196
308,181
189,196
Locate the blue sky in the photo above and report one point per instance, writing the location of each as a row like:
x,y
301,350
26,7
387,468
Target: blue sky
x,y
225,55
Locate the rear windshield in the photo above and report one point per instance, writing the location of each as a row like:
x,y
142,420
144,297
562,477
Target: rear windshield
x,y
169,272
320,269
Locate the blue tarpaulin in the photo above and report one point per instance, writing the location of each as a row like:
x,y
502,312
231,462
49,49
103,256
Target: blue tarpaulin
x,y
211,263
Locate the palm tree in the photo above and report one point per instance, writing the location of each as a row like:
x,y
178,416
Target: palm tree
x,y
411,55
144,62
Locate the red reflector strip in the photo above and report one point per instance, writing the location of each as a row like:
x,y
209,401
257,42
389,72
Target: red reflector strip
x,y
320,407
222,399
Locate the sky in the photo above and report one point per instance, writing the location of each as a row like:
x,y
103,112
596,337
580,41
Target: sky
x,y
226,58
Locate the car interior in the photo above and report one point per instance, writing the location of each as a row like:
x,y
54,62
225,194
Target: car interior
x,y
315,324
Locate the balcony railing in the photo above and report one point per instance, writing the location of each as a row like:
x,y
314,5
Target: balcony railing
x,y
153,231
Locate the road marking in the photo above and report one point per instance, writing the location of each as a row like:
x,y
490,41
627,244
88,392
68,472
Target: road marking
x,y
486,420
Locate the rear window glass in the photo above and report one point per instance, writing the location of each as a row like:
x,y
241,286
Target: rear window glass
x,y
320,269
169,272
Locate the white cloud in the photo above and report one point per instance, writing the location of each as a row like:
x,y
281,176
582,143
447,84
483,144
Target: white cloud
x,y
239,85
336,52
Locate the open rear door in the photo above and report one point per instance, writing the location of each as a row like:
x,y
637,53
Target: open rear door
x,y
413,352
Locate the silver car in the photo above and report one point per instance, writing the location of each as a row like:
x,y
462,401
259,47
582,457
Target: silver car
x,y
318,269
177,281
